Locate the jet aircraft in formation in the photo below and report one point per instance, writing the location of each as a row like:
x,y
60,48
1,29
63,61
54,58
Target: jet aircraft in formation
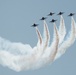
x,y
53,20
60,13
43,18
71,14
35,25
51,13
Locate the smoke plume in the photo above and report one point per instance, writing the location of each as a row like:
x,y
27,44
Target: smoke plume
x,y
18,56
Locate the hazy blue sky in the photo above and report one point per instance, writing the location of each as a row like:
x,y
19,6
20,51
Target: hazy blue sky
x,y
16,17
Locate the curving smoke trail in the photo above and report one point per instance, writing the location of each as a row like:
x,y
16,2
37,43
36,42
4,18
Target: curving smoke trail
x,y
62,30
46,38
40,41
18,56
54,45
74,24
39,36
50,52
68,42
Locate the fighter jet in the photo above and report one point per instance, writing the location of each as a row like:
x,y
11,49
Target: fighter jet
x,y
53,20
43,18
34,25
60,13
71,14
51,13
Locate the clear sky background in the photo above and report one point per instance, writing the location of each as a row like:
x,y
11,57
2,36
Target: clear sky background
x,y
16,17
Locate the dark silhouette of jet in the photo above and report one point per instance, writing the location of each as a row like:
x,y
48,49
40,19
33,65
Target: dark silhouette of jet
x,y
34,25
51,13
53,20
60,13
71,14
43,18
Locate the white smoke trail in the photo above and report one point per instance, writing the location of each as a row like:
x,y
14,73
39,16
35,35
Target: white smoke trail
x,y
21,62
68,42
54,45
40,41
18,56
15,48
39,36
62,30
11,53
50,52
74,24
46,35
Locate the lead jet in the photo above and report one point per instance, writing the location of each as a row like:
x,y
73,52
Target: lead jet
x,y
71,14
51,13
34,25
60,13
43,18
53,20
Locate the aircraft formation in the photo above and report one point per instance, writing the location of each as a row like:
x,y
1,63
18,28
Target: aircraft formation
x,y
53,20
